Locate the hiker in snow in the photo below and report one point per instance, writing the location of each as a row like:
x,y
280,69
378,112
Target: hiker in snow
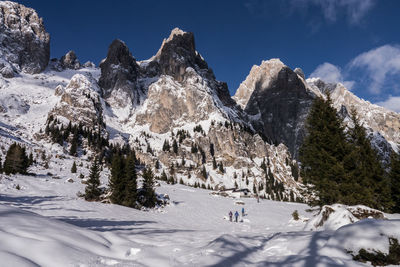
x,y
230,216
236,216
242,212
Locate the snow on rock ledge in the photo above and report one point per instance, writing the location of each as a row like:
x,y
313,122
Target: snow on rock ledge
x,y
337,215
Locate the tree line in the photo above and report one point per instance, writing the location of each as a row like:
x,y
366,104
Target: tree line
x,y
339,165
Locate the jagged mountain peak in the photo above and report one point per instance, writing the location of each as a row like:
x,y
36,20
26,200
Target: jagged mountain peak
x,y
259,76
119,73
24,42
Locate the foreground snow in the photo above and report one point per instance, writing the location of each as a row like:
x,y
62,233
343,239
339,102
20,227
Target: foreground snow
x,y
45,224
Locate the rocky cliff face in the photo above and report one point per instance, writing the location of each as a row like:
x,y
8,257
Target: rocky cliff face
x,y
278,101
24,43
119,75
80,103
178,87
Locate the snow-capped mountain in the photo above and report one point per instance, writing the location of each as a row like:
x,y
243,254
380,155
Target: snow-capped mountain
x,y
278,101
250,141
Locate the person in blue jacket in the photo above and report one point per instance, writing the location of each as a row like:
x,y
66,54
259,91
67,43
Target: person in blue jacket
x,y
243,212
236,216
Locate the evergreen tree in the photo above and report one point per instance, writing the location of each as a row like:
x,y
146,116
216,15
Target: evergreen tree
x,y
166,146
214,163
204,172
130,196
263,166
221,167
73,168
175,146
30,159
366,182
150,198
394,176
74,145
323,151
16,160
1,165
92,190
117,180
212,149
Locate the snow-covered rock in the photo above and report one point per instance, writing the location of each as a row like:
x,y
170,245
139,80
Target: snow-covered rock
x,y
335,216
24,42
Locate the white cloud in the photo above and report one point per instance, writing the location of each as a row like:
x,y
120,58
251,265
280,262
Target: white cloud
x,y
331,74
392,103
353,10
379,64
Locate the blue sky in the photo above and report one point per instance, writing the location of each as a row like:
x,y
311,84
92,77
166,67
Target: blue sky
x,y
356,42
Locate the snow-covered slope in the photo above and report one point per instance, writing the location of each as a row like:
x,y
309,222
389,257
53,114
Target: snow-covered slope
x,y
45,223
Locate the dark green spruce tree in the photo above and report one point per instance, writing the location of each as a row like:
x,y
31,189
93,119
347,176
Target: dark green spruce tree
x,y
16,160
131,182
73,168
92,190
394,176
118,179
366,183
150,198
323,151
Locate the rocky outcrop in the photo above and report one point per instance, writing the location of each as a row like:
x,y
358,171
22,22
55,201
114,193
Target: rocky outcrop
x,y
119,74
185,90
80,103
24,42
70,61
278,101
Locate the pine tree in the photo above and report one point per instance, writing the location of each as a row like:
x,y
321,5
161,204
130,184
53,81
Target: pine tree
x,y
323,151
117,180
74,145
73,168
221,167
204,172
263,166
92,190
30,159
130,195
214,163
166,146
212,149
366,182
16,160
1,165
175,146
150,198
394,176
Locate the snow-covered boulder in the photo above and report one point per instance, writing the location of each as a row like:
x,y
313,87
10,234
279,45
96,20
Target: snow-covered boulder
x,y
335,216
370,235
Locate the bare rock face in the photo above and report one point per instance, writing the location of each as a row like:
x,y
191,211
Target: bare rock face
x,y
185,89
80,103
70,61
119,73
24,42
278,101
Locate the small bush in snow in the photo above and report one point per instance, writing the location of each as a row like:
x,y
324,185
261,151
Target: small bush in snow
x,y
295,215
